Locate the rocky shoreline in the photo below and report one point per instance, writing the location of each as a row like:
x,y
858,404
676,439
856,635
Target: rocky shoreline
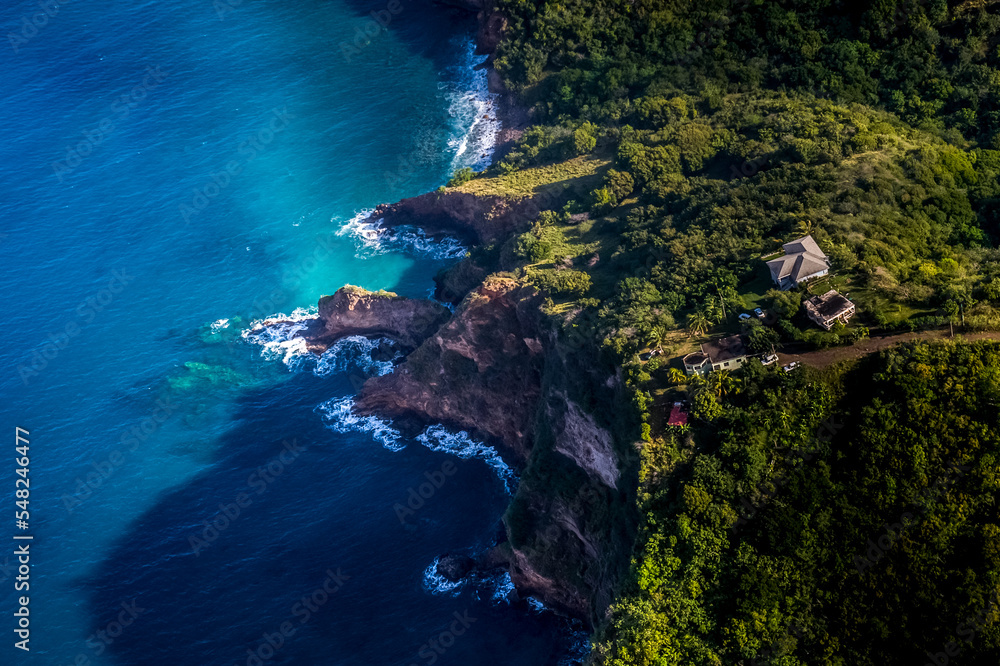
x,y
496,368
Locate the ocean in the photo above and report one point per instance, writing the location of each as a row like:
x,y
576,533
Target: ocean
x,y
173,173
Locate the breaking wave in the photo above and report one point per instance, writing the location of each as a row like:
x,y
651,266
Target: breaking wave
x,y
279,337
579,651
439,438
437,584
354,352
472,105
371,239
503,586
339,417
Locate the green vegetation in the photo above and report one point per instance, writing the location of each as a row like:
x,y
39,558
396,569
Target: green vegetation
x,y
540,179
846,517
361,291
733,126
462,176
692,139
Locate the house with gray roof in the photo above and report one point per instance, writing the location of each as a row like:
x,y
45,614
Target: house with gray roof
x,y
803,261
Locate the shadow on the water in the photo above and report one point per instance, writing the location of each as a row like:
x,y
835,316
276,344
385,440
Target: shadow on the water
x,y
290,510
410,22
290,549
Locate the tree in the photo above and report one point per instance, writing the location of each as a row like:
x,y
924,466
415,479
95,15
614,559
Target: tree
x,y
785,303
706,406
675,376
723,383
698,323
585,138
804,227
761,339
655,337
462,176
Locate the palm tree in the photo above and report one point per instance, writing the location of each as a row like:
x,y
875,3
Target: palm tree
x,y
723,383
676,376
731,385
656,337
712,309
804,227
698,323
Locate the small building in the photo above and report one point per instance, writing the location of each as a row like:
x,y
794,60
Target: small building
x,y
828,309
803,261
678,415
719,354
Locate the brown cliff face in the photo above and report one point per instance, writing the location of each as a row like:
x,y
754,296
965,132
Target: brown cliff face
x,y
355,311
495,369
480,372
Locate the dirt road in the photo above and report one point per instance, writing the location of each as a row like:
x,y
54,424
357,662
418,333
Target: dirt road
x,y
826,357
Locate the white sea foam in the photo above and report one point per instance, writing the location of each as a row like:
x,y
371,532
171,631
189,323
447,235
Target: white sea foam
x,y
219,325
435,583
371,239
354,352
279,337
439,438
503,586
536,605
338,417
473,106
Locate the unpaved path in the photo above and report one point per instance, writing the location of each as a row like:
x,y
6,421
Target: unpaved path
x,y
826,357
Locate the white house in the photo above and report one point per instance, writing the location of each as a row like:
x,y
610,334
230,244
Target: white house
x,y
720,354
803,261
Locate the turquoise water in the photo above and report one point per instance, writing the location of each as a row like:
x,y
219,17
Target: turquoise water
x,y
172,172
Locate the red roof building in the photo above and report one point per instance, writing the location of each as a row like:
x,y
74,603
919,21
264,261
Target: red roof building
x,y
678,415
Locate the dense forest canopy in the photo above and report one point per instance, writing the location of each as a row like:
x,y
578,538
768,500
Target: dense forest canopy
x,y
845,516
934,63
727,128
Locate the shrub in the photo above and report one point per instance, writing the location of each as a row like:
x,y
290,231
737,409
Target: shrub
x,y
462,176
531,248
585,138
566,282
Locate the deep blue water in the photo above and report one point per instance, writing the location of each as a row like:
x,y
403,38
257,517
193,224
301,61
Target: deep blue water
x,y
171,172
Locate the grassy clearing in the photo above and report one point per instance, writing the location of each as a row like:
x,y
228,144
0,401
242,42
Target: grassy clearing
x,y
537,180
753,291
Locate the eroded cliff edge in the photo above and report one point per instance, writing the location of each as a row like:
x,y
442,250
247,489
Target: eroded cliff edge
x,y
501,369
481,371
356,311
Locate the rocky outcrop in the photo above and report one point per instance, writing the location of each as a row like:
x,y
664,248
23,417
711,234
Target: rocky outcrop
x,y
497,370
475,218
457,280
492,25
571,525
480,372
552,590
455,567
355,311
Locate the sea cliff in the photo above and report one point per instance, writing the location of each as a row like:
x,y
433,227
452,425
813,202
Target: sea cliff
x,y
502,369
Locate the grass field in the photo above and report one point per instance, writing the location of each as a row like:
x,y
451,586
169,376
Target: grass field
x,y
584,171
